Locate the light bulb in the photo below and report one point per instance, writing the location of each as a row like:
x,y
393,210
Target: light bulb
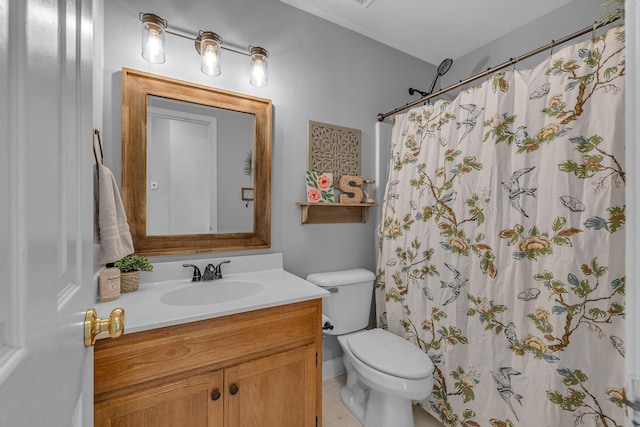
x,y
258,67
208,44
155,49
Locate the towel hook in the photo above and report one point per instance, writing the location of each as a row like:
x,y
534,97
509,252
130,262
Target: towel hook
x,y
96,133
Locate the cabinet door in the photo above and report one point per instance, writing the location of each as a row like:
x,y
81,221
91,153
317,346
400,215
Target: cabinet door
x,y
191,401
277,390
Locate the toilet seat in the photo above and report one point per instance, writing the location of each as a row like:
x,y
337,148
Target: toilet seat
x,y
390,354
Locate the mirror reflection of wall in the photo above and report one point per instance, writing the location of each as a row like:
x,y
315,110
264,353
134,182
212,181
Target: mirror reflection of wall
x,y
195,168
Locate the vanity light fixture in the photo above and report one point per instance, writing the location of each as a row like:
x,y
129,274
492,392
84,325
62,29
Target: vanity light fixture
x,y
153,29
208,44
259,67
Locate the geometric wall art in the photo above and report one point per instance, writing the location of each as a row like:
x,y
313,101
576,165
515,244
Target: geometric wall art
x,y
334,149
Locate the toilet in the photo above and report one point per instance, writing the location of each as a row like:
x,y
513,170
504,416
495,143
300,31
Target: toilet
x,y
385,372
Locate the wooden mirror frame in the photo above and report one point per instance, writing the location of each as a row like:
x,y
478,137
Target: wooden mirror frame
x,y
136,86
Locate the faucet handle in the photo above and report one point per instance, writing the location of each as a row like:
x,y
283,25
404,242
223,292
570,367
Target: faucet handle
x,y
197,276
218,269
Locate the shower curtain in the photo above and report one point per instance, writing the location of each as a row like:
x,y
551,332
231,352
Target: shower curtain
x,y
502,243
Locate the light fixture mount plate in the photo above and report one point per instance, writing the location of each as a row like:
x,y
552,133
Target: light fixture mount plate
x,y
153,22
206,35
257,50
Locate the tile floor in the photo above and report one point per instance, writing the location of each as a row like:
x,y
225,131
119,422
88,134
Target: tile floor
x,y
335,414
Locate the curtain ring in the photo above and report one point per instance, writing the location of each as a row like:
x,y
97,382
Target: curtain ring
x,y
593,30
514,63
553,43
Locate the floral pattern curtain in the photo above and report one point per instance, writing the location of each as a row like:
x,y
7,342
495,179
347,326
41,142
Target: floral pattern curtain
x,y
502,245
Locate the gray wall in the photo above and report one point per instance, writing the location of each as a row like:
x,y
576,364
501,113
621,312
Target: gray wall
x,y
565,20
235,140
317,71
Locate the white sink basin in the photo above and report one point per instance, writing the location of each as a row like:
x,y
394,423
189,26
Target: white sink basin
x,y
212,292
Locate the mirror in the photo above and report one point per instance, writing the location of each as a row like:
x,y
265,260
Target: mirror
x,y
191,156
188,172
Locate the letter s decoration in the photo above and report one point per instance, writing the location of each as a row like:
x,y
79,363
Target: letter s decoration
x,y
350,184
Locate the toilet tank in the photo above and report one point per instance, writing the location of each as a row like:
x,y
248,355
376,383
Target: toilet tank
x,y
349,302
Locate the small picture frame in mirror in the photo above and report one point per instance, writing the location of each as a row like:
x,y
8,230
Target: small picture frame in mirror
x,y
247,194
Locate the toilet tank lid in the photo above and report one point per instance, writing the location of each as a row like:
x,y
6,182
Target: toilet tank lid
x,y
343,277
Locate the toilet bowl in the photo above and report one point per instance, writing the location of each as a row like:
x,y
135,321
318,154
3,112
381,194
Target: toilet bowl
x,y
389,371
385,372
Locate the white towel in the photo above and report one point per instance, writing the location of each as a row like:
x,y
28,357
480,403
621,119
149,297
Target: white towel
x,y
111,229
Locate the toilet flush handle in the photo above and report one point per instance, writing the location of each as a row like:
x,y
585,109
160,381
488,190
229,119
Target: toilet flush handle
x,y
333,290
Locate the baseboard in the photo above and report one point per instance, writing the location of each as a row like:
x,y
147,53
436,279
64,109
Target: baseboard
x,y
332,368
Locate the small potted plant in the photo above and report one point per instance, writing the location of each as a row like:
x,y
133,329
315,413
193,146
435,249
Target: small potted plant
x,y
130,268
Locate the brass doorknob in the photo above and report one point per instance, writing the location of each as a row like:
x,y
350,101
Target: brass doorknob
x,y
94,325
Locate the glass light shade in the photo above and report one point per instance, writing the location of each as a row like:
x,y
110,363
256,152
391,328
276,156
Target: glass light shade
x,y
258,67
210,53
153,38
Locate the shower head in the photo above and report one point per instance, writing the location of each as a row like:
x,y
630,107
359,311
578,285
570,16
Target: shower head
x,y
442,70
444,66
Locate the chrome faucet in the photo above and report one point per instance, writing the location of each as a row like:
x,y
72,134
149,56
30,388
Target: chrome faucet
x,y
214,272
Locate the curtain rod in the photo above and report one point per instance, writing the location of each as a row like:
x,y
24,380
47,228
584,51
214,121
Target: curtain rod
x,y
510,62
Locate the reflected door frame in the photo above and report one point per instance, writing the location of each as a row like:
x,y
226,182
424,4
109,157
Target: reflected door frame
x,y
196,201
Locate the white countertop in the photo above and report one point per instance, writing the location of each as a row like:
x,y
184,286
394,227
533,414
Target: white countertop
x,y
144,309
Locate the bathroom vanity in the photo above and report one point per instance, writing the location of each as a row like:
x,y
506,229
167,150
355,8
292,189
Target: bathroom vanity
x,y
250,361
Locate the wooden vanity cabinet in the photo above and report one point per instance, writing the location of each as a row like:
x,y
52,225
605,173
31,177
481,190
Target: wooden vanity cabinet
x,y
260,368
183,402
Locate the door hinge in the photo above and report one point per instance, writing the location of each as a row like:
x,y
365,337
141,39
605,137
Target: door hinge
x,y
316,358
316,421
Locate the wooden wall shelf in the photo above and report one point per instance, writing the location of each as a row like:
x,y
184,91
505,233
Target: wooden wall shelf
x,y
334,213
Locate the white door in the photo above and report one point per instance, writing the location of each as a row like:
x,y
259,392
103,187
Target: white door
x,y
181,158
46,250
